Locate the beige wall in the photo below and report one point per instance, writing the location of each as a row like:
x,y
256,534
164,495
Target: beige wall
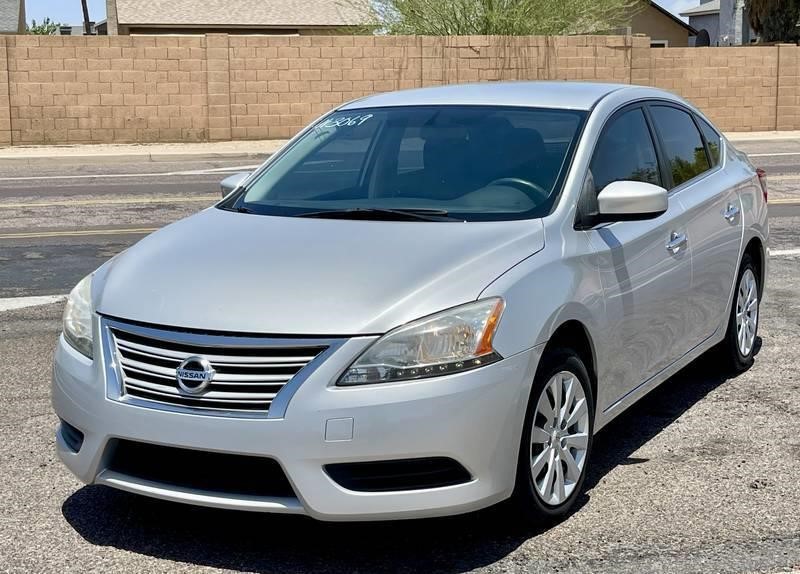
x,y
658,26
74,89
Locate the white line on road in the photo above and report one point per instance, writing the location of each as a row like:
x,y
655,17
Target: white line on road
x,y
123,175
778,154
784,252
11,303
115,201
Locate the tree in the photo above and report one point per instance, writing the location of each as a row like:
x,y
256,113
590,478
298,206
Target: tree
x,y
503,17
46,28
774,20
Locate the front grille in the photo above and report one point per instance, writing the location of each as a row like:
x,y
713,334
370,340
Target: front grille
x,y
207,471
249,372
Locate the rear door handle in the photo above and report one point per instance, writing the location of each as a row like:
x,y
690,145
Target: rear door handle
x,y
677,242
730,213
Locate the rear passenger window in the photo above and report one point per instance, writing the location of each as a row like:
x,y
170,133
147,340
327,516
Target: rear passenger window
x,y
713,141
682,143
625,152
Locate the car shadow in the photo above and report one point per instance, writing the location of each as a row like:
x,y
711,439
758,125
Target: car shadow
x,y
293,544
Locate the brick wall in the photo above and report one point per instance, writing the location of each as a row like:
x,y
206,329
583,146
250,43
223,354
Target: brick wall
x,y
63,89
66,89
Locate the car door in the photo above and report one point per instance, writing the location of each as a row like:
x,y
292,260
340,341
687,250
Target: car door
x,y
713,213
644,266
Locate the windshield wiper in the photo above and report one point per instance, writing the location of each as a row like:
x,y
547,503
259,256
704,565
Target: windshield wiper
x,y
405,214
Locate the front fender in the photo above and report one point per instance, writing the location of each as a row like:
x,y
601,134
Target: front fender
x,y
545,291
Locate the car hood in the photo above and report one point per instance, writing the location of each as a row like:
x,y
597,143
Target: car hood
x,y
224,271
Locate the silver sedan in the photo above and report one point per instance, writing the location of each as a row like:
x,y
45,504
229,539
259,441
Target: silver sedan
x,y
426,303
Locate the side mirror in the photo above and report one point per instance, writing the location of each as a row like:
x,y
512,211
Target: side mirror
x,y
232,182
631,201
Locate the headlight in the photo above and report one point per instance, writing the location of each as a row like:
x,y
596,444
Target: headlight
x,y
78,317
455,340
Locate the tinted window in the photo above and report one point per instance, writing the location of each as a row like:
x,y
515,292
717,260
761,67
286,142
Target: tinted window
x,y
625,152
682,144
475,162
713,141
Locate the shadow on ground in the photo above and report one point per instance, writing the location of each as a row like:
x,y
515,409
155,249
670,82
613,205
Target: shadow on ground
x,y
267,543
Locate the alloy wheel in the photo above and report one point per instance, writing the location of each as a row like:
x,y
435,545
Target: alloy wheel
x,y
747,312
559,438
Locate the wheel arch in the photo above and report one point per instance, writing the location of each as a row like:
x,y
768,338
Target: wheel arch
x,y
573,334
755,248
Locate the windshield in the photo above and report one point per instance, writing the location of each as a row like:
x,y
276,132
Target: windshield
x,y
470,163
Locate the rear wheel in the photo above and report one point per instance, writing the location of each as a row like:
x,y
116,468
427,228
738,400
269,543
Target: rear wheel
x,y
739,345
556,440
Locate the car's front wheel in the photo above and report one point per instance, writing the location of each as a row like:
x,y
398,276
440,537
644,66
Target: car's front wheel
x,y
556,439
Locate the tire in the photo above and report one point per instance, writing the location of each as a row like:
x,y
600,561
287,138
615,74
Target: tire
x,y
736,350
533,501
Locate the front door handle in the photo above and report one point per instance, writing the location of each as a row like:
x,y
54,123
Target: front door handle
x,y
677,242
730,213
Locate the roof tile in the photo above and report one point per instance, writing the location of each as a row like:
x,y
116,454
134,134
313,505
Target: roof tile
x,y
251,13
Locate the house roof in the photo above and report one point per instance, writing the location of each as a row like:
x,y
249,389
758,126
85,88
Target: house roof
x,y
674,18
706,9
249,13
10,16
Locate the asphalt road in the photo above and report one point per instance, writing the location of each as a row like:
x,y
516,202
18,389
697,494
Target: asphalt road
x,y
701,476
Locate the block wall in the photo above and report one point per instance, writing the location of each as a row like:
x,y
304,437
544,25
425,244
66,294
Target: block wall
x,y
68,90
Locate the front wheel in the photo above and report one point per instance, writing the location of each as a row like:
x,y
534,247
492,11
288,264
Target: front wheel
x,y
556,439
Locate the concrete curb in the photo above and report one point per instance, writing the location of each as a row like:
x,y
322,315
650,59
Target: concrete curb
x,y
36,155
117,158
762,136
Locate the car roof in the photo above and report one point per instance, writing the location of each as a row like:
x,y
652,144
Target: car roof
x,y
562,95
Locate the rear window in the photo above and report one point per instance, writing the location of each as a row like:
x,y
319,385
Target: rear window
x,y
682,143
712,139
475,162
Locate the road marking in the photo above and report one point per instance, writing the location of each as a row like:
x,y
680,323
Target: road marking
x,y
78,233
128,201
213,171
783,177
784,252
784,201
779,154
11,303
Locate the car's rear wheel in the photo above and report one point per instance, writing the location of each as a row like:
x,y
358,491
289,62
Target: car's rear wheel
x,y
739,345
556,439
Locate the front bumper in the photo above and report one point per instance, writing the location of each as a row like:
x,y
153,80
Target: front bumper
x,y
473,417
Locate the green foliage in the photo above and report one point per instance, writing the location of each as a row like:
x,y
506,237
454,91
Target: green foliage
x,y
46,28
775,20
503,17
684,170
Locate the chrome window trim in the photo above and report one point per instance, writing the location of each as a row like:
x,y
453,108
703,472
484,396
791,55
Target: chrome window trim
x,y
279,405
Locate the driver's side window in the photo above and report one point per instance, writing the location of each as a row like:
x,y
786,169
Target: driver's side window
x,y
625,152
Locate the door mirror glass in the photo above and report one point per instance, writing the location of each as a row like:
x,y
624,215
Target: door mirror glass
x,y
232,182
631,200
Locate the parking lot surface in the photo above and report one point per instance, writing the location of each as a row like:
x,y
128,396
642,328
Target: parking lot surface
x,y
701,476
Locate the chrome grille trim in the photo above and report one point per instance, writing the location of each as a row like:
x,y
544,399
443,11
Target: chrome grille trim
x,y
255,376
